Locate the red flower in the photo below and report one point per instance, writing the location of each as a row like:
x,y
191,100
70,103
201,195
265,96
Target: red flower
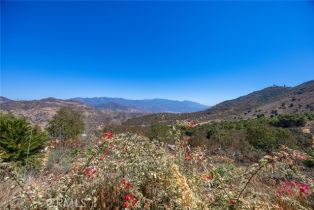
x,y
128,197
129,201
126,184
123,181
90,171
125,205
107,135
233,202
187,156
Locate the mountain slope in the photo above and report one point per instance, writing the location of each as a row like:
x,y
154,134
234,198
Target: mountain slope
x,y
269,101
146,105
41,111
4,99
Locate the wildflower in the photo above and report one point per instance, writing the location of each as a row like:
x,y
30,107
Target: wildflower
x,y
126,184
187,156
125,205
129,201
293,188
233,202
102,157
107,135
304,188
90,171
206,177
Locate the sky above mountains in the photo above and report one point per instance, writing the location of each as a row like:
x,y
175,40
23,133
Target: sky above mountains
x,y
202,51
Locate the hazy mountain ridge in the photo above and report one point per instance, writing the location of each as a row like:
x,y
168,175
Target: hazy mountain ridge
x,y
4,99
97,111
268,101
145,105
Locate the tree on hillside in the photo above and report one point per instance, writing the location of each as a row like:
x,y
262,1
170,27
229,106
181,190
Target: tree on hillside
x,y
66,124
292,120
19,140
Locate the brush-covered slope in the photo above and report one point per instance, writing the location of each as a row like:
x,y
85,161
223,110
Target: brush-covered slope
x,y
41,111
266,102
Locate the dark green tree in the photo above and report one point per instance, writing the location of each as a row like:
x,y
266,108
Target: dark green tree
x,y
66,124
19,140
292,120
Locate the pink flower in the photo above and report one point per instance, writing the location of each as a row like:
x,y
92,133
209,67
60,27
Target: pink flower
x,y
293,188
304,189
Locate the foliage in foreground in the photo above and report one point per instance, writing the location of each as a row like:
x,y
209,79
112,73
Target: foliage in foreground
x,y
19,140
128,171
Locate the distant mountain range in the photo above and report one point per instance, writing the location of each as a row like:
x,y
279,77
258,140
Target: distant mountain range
x,y
270,101
97,111
146,105
266,102
41,111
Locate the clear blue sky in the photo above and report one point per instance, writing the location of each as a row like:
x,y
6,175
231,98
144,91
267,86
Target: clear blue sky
x,y
202,51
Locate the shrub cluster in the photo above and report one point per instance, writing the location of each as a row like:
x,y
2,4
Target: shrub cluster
x,y
20,142
66,124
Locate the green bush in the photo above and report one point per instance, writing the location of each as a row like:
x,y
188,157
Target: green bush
x,y
66,124
18,137
267,138
287,121
162,133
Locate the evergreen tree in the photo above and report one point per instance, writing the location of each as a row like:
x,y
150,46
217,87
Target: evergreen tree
x,y
19,140
66,124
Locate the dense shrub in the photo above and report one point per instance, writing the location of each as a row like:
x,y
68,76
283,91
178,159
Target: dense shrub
x,y
162,132
248,136
66,124
19,140
287,121
267,138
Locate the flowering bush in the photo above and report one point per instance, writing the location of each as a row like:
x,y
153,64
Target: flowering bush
x,y
132,172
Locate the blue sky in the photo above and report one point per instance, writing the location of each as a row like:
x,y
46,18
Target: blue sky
x,y
202,51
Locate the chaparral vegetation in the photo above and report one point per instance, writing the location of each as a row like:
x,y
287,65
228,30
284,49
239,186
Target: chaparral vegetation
x,y
261,163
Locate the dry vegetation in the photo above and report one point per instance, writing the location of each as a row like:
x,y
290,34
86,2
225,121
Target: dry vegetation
x,y
128,171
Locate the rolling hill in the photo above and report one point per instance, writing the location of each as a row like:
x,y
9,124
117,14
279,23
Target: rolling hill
x,y
266,102
41,111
